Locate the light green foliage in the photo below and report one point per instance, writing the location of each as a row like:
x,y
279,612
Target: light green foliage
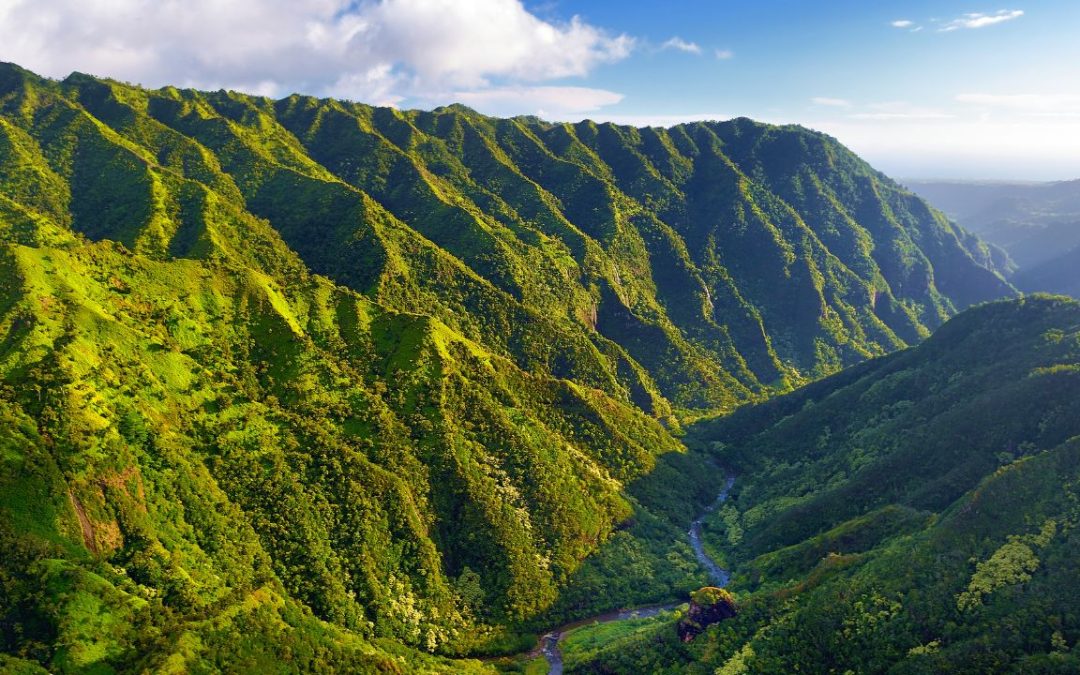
x,y
581,646
710,595
738,663
1013,563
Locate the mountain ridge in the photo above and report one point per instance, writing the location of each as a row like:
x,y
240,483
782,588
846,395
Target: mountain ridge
x,y
592,237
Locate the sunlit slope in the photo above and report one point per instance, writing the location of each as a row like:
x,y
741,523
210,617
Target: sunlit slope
x,y
193,433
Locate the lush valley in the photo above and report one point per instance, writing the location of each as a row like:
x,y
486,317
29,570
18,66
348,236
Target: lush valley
x,y
914,514
304,384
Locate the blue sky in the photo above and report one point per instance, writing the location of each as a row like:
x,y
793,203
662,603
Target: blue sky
x,y
921,89
934,98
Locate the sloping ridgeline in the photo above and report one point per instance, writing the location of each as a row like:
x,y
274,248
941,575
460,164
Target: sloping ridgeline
x,y
303,381
914,514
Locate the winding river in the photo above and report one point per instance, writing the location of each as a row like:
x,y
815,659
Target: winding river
x,y
718,575
549,642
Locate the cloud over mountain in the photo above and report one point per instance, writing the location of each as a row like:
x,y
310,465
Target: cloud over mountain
x,y
376,51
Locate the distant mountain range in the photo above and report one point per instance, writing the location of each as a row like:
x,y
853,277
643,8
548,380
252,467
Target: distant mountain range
x,y
1038,224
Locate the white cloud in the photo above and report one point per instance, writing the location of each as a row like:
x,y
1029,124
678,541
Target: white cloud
x,y
381,51
831,102
465,43
681,45
545,101
724,54
902,23
378,85
980,20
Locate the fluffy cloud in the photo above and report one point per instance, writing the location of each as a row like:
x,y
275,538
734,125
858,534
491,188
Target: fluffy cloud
x,y
374,51
465,43
681,45
902,23
979,20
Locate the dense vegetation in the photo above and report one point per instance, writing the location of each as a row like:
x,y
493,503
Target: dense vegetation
x,y
914,514
303,383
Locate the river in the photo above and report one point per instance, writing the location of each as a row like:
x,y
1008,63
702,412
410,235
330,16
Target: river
x,y
718,575
549,643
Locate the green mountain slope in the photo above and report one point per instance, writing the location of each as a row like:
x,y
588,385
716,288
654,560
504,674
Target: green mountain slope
x,y
696,265
304,382
193,433
914,514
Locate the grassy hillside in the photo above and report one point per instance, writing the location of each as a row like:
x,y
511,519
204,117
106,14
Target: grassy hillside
x,y
914,514
304,383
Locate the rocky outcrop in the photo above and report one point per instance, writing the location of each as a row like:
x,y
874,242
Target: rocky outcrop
x,y
708,605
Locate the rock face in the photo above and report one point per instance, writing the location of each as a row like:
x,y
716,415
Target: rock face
x,y
708,605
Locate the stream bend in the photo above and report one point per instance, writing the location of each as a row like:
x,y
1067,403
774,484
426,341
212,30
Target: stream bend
x,y
549,643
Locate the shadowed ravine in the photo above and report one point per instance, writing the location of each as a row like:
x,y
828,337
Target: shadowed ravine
x,y
549,643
